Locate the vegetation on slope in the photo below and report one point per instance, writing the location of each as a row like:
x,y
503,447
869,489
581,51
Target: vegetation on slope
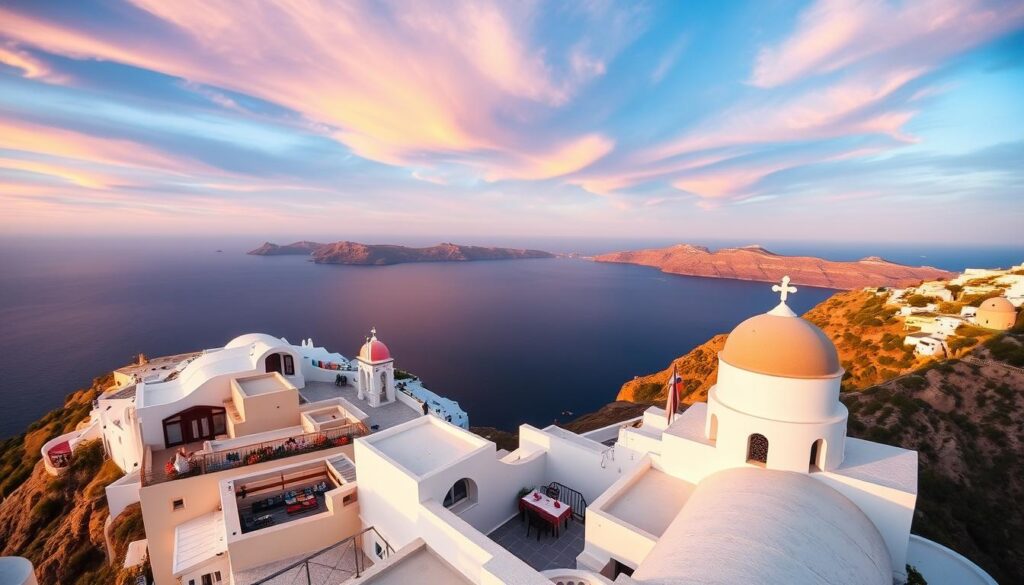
x,y
57,522
965,418
866,333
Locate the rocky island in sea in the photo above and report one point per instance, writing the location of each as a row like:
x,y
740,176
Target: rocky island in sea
x,y
757,263
355,253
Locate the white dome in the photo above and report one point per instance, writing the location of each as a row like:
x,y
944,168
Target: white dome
x,y
251,338
748,525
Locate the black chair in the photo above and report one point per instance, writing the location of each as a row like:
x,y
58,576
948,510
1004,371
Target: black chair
x,y
534,520
552,492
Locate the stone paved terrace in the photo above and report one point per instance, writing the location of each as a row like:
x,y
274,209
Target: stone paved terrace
x,y
383,417
548,553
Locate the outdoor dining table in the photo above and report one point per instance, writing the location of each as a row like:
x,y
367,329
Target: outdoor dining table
x,y
547,508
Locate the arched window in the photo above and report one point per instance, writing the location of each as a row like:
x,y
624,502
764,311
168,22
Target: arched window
x,y
461,494
817,462
273,363
757,449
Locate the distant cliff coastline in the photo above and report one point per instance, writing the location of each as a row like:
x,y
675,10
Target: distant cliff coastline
x,y
757,263
383,254
302,248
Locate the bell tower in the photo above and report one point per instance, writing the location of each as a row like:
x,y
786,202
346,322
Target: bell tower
x,y
376,372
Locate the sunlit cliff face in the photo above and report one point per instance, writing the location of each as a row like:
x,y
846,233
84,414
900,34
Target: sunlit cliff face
x,y
526,118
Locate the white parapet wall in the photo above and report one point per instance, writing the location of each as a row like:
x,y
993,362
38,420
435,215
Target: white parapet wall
x,y
942,566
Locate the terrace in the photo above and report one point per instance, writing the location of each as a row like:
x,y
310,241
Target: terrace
x,y
234,453
545,553
281,496
273,515
381,417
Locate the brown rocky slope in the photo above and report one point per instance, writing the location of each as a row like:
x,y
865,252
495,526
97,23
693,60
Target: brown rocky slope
x,y
380,255
866,333
756,263
385,254
57,523
301,248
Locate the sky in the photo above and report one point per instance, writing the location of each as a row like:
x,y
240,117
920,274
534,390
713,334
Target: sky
x,y
834,120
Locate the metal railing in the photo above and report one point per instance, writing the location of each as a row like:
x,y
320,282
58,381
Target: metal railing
x,y
334,563
571,498
252,454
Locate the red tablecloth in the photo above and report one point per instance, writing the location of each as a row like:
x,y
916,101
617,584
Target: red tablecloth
x,y
545,507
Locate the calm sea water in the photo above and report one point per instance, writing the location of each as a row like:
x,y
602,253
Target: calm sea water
x,y
512,341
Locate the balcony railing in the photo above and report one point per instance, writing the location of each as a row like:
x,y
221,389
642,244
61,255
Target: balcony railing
x,y
342,560
203,463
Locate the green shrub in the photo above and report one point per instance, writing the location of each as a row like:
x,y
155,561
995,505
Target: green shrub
x,y
914,577
47,509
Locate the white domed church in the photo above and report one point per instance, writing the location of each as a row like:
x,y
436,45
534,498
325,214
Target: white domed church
x,y
781,494
760,484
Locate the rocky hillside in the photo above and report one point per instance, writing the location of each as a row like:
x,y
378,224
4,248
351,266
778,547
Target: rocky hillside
x,y
385,254
867,334
380,255
57,523
966,420
302,248
757,263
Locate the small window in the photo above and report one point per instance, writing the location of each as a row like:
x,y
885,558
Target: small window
x,y
289,365
757,449
350,499
462,491
178,504
378,550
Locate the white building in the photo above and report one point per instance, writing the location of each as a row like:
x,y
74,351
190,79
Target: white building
x,y
941,327
936,289
761,484
926,343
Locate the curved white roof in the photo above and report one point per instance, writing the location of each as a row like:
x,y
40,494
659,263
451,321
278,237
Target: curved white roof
x,y
251,338
748,525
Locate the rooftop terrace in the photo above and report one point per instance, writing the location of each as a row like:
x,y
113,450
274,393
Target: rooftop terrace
x,y
427,446
381,417
549,552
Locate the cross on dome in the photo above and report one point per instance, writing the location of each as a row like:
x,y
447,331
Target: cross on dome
x,y
373,333
784,289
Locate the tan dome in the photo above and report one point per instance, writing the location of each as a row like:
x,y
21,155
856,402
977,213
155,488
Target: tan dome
x,y
997,305
996,313
781,346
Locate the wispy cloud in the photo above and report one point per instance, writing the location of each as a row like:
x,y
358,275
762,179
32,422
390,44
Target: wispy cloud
x,y
836,35
516,112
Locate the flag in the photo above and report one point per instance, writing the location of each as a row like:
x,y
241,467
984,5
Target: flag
x,y
672,401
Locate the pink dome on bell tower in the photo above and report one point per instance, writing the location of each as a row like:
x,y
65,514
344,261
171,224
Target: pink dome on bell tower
x,y
374,350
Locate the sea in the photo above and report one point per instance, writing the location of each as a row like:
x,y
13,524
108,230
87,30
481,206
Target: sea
x,y
517,341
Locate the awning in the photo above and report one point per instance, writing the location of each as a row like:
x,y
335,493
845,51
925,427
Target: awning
x,y
62,448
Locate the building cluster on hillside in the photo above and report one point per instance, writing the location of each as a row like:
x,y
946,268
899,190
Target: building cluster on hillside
x,y
933,311
254,463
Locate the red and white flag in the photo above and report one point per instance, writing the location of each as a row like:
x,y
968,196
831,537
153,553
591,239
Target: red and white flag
x,y
675,383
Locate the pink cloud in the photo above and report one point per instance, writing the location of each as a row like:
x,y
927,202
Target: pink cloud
x,y
568,158
29,66
833,35
399,90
